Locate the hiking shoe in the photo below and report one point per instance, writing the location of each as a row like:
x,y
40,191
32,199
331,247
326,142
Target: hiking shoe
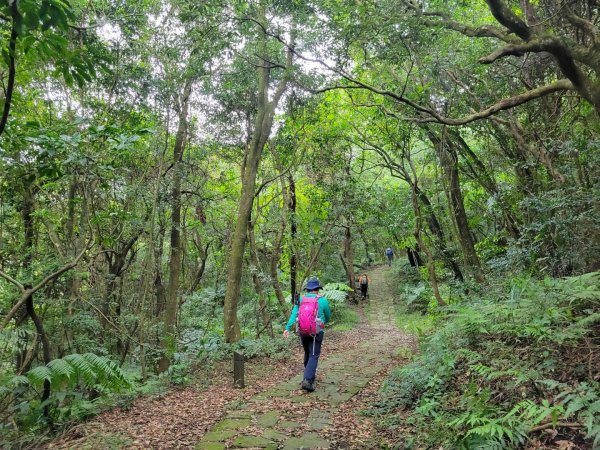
x,y
307,386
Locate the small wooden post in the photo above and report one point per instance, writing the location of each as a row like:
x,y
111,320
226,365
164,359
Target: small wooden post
x,y
238,370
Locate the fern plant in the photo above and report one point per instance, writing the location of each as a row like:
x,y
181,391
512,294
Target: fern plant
x,y
336,292
480,380
92,370
583,404
67,376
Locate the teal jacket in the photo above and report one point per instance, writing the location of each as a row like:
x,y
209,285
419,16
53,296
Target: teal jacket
x,y
324,311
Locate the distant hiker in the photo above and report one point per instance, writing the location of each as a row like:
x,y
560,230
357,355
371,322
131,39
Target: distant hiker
x,y
390,255
363,283
310,314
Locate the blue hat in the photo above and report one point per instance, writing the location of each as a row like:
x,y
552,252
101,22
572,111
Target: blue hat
x,y
313,284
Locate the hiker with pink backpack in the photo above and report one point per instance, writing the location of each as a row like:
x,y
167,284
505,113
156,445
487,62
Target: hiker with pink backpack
x,y
310,314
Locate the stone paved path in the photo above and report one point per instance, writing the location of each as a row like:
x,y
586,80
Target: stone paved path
x,y
286,417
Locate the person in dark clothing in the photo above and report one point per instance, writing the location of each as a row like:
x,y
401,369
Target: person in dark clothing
x,y
363,283
390,255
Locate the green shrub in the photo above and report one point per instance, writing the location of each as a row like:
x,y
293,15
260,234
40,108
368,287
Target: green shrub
x,y
344,318
498,367
80,383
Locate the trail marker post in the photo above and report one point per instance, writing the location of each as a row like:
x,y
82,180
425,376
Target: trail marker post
x,y
238,370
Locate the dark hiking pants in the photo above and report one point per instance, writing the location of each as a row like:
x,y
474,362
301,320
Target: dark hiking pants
x,y
312,351
363,290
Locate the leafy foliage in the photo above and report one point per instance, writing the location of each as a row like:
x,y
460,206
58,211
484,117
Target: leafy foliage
x,y
335,292
89,166
485,377
77,380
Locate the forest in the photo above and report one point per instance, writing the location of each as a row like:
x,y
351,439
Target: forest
x,y
172,172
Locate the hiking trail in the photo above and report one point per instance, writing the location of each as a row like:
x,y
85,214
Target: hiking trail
x,y
285,417
272,412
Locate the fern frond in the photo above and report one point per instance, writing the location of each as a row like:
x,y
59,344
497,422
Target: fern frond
x,y
92,369
84,368
335,292
60,369
37,375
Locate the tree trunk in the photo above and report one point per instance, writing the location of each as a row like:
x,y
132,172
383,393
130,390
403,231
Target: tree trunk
x,y
435,227
414,258
159,286
258,286
238,242
77,245
366,245
349,256
449,162
201,267
480,173
172,297
27,212
274,264
344,265
293,233
262,128
417,233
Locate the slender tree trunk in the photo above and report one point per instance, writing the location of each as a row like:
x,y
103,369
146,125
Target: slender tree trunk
x,y
274,265
525,173
258,286
201,267
238,244
344,265
74,249
349,255
481,174
39,327
435,227
366,245
28,243
449,162
172,293
262,128
238,241
417,233
159,286
293,233
12,70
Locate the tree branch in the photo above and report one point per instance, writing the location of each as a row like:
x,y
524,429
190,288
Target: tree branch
x,y
447,22
511,50
508,103
560,85
509,19
26,293
12,48
584,25
270,180
545,426
289,60
12,280
549,45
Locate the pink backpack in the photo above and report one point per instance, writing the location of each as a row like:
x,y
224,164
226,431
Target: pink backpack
x,y
308,316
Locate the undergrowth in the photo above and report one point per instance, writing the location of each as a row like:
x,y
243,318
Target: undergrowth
x,y
504,371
